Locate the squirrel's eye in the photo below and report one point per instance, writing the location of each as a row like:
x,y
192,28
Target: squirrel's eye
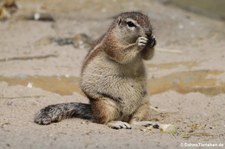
x,y
130,24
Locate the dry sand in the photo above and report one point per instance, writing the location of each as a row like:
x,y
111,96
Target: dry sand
x,y
186,76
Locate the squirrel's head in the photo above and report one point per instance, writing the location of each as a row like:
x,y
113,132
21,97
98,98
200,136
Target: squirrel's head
x,y
131,25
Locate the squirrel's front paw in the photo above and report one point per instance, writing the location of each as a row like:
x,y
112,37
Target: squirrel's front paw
x,y
152,41
142,41
48,115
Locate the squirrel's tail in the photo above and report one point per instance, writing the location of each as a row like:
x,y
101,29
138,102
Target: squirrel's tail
x,y
57,112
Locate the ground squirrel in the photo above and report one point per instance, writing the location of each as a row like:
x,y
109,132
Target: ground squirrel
x,y
113,77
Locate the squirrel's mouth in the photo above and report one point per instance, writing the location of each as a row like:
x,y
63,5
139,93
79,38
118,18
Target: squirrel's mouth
x,y
149,36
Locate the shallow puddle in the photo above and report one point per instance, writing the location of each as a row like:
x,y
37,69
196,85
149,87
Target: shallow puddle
x,y
61,85
188,64
202,81
25,58
188,81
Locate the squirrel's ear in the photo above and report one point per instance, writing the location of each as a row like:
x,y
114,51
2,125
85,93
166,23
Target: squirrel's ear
x,y
119,21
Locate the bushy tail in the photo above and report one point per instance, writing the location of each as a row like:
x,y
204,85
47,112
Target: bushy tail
x,y
57,112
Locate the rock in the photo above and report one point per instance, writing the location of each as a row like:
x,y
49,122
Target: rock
x,y
168,128
82,41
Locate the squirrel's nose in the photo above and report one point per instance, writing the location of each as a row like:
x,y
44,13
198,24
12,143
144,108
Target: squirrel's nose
x,y
148,32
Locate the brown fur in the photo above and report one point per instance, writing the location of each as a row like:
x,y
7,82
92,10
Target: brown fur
x,y
142,113
103,111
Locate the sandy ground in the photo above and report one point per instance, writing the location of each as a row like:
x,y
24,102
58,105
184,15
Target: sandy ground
x,y
186,76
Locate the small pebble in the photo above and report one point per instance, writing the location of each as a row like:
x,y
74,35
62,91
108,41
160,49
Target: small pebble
x,y
168,128
29,85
